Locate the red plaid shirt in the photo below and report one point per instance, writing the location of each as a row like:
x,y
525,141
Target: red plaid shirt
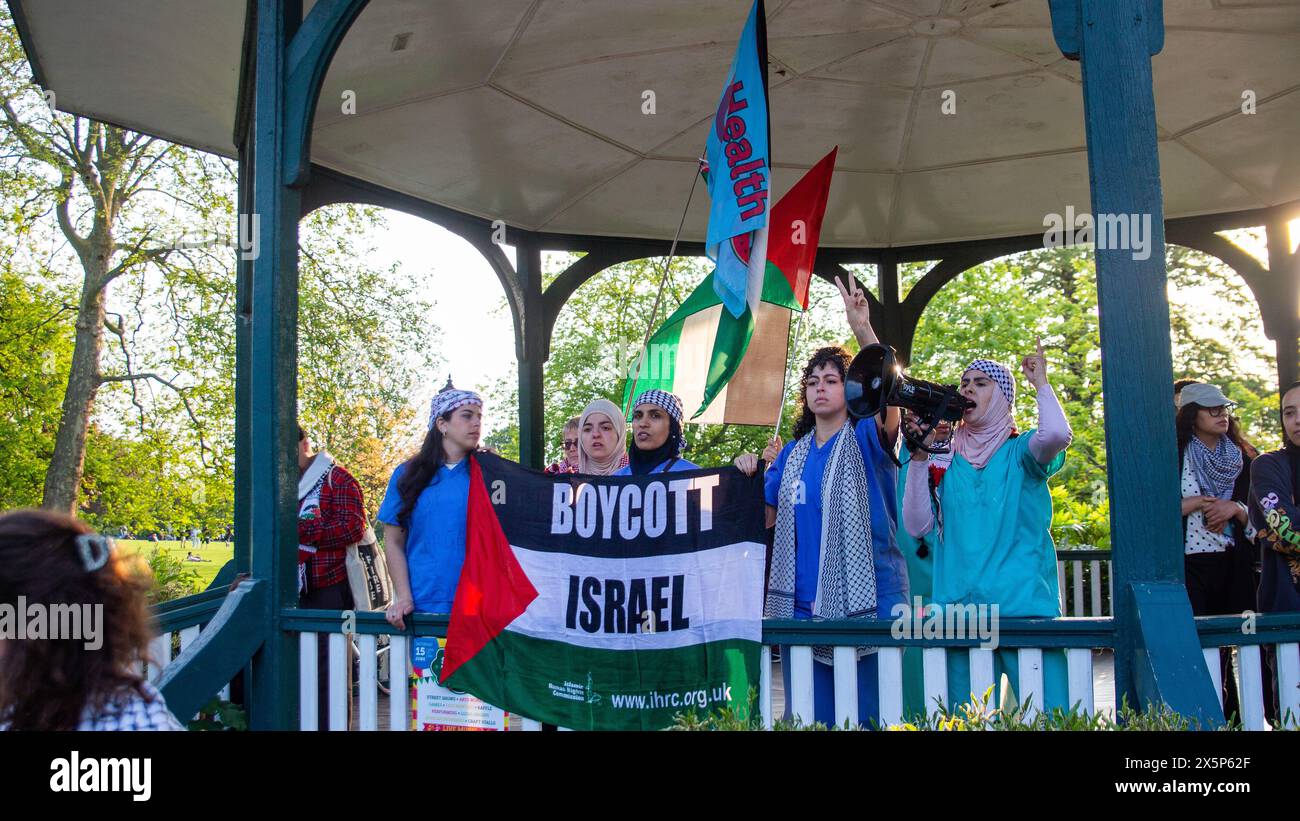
x,y
341,524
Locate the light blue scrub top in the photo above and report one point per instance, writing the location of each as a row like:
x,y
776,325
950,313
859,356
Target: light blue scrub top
x,y
435,538
996,545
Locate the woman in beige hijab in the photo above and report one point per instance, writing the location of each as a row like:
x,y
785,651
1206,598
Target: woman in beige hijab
x,y
602,438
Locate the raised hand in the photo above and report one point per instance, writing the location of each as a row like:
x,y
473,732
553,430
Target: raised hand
x,y
1034,366
856,307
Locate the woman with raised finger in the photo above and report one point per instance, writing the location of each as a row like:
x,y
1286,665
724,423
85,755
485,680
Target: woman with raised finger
x,y
831,493
657,439
423,511
991,513
602,439
1218,558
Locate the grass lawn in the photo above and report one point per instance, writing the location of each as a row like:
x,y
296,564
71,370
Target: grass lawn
x,y
217,553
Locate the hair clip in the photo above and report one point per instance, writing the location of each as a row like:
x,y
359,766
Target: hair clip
x,y
94,550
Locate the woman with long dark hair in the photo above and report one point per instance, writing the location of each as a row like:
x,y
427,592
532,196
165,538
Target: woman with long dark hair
x,y
89,681
831,494
1214,469
424,509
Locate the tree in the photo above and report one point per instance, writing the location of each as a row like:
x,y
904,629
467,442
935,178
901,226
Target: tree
x,y
101,183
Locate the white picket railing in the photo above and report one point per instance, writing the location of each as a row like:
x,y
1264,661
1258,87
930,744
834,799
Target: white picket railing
x,y
1251,672
1083,689
1085,570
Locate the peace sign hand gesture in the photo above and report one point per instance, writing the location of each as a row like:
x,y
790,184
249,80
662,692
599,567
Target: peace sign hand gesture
x,y
1034,367
856,307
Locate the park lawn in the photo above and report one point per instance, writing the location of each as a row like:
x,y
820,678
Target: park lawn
x,y
217,552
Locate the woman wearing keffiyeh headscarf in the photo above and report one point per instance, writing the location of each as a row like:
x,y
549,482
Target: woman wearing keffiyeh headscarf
x,y
1214,466
656,435
831,496
991,511
424,509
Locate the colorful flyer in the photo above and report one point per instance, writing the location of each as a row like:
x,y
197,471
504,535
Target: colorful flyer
x,y
434,707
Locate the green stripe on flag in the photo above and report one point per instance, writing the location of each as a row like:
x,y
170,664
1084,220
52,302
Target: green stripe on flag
x,y
619,689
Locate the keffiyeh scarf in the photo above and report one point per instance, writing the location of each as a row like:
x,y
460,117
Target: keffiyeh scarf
x,y
846,583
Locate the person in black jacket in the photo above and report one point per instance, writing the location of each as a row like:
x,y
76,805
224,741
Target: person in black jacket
x,y
1275,515
1218,556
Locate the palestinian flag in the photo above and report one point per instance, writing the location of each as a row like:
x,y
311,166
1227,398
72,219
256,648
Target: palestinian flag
x,y
601,602
731,369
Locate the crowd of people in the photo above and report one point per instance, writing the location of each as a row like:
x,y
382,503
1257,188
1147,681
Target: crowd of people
x,y
860,524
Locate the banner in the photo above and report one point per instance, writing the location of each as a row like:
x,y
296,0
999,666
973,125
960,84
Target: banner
x,y
609,602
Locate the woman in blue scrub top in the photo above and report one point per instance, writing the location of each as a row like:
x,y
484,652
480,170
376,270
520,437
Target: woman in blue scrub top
x,y
424,509
656,436
831,495
994,515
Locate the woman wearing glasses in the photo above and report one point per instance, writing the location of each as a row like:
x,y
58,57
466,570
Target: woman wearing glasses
x,y
1218,556
568,464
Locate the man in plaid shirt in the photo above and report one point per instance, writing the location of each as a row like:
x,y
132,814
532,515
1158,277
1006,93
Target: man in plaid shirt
x,y
331,518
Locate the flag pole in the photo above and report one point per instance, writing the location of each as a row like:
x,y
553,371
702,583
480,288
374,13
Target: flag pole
x,y
663,281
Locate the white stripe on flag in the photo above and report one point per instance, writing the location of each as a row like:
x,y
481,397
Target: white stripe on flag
x,y
694,351
722,597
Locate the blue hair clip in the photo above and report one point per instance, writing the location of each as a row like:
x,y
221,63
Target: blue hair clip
x,y
94,550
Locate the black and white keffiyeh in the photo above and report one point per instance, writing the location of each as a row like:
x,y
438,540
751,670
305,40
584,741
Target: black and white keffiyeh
x,y
670,402
1216,470
448,400
1000,375
846,583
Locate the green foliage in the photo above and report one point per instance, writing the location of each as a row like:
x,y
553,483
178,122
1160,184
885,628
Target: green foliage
x,y
35,349
999,309
979,715
172,578
219,715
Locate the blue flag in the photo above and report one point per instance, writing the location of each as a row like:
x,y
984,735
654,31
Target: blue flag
x,y
740,166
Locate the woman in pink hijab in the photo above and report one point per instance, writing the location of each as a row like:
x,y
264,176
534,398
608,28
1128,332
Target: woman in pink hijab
x,y
991,512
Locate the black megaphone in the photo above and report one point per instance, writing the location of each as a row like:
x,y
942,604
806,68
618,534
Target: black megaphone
x,y
875,381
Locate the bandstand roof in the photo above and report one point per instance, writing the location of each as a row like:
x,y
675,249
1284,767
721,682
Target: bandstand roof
x,y
530,111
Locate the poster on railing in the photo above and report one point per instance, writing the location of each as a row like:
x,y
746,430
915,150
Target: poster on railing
x,y
604,602
434,707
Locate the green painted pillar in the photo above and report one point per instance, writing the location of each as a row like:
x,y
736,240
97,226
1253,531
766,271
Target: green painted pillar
x,y
270,372
532,352
1157,653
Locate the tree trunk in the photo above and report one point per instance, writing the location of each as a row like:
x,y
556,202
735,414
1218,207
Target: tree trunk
x,y
63,477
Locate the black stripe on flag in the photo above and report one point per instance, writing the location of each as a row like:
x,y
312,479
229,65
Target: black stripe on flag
x,y
608,516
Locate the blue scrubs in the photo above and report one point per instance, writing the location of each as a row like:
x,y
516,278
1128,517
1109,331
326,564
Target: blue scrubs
x,y
435,536
891,568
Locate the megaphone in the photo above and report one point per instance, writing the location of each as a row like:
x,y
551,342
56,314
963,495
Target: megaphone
x,y
875,381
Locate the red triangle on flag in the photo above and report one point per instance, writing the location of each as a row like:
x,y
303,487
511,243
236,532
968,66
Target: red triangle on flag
x,y
493,590
806,201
